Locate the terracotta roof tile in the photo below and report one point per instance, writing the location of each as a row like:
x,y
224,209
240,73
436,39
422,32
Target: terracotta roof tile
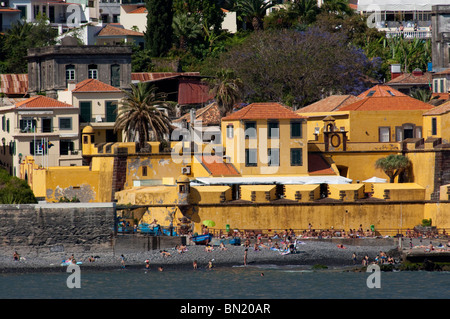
x,y
209,115
441,109
381,90
93,85
410,78
42,102
263,111
153,76
387,103
328,104
111,30
14,84
217,167
139,10
446,71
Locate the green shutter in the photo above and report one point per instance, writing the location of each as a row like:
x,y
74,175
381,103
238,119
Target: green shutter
x,y
85,112
111,111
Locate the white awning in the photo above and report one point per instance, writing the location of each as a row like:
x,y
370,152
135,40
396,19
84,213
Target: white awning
x,y
375,180
284,180
398,5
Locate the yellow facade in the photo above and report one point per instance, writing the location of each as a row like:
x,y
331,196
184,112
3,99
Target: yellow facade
x,y
237,144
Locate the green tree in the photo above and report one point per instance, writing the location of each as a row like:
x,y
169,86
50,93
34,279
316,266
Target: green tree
x,y
226,88
392,165
208,11
254,11
14,190
158,35
423,95
339,7
141,115
21,37
306,11
186,27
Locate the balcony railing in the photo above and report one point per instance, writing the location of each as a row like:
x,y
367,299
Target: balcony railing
x,y
419,34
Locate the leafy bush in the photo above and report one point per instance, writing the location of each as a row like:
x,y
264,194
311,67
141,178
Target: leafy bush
x,y
14,190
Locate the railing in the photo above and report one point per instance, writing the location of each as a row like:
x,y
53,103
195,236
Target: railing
x,y
409,34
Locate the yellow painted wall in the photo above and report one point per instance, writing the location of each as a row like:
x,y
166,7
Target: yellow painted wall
x,y
340,216
399,192
235,148
262,193
307,192
350,192
210,194
315,122
442,126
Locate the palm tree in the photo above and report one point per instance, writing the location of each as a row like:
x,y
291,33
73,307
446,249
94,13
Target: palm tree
x,y
305,10
393,165
226,88
186,27
141,115
254,11
339,7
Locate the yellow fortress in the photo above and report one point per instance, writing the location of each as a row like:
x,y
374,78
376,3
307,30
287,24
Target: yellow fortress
x,y
274,168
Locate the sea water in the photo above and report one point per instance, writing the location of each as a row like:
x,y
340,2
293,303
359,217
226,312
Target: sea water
x,y
264,282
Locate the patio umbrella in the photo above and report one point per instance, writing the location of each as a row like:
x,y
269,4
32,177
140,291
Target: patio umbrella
x,y
209,223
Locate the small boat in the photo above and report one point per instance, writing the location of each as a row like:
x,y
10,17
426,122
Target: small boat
x,y
202,239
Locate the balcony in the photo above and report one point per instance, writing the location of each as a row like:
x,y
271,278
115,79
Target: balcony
x,y
419,34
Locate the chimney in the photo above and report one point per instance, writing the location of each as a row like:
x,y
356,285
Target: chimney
x,y
395,70
71,86
417,72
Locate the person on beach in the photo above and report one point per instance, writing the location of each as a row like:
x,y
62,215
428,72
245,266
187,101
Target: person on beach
x,y
222,246
122,260
245,256
194,264
210,264
354,258
91,259
147,264
16,256
164,253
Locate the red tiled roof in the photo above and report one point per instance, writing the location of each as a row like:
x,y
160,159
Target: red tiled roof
x,y
387,103
42,102
328,104
111,30
6,10
93,85
441,109
153,76
217,167
139,10
410,78
209,115
263,111
317,165
446,71
14,84
381,90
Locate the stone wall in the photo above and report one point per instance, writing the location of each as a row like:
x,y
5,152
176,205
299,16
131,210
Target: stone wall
x,y
58,226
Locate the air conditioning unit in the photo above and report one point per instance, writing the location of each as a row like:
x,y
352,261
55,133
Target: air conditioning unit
x,y
186,170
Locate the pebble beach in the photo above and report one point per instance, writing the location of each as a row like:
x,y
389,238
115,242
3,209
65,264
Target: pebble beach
x,y
308,253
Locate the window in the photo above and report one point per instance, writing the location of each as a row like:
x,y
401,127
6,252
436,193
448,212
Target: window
x,y
65,146
384,134
92,71
399,133
441,86
433,126
27,125
418,132
70,73
296,129
23,11
85,112
46,125
273,129
111,107
296,157
230,131
65,123
273,155
144,170
115,75
250,129
436,86
251,157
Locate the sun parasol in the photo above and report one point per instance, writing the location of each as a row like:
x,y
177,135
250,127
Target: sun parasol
x,y
209,223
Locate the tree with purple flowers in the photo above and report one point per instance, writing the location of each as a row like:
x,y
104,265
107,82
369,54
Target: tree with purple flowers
x,y
297,68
